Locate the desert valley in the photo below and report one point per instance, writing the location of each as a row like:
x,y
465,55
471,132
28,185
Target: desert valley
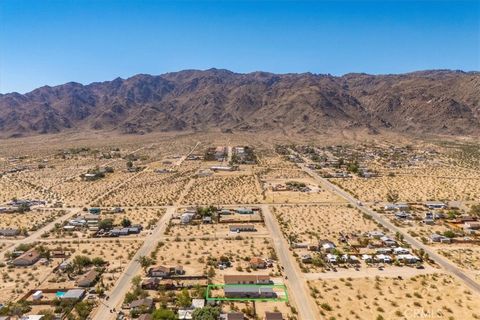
x,y
257,225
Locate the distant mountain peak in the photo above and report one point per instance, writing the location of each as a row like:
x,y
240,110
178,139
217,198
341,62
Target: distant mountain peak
x,y
431,101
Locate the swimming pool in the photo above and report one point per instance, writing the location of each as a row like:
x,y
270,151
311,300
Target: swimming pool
x,y
59,294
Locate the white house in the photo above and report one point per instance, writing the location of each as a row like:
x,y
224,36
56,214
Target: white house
x,y
435,205
331,258
383,258
408,258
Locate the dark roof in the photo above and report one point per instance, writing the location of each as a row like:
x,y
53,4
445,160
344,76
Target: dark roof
x,y
88,278
235,316
147,302
31,256
273,316
239,278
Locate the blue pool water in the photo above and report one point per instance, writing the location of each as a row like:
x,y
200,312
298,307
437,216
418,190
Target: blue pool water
x,y
59,294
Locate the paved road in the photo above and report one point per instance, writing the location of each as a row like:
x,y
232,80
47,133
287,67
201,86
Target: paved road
x,y
441,261
296,282
124,282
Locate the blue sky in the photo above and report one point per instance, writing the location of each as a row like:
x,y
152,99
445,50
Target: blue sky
x,y
52,42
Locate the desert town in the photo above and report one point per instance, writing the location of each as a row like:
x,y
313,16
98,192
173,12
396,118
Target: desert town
x,y
224,229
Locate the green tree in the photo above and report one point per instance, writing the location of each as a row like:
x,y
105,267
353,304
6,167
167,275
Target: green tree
x,y
105,224
206,313
145,262
211,272
183,298
83,309
163,314
126,223
449,234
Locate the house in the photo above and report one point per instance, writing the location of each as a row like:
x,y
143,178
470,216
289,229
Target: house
x,y
249,292
9,232
244,211
78,222
402,215
198,303
350,259
88,279
119,232
387,241
472,225
376,234
300,245
400,250
222,168
165,272
233,316
258,263
37,295
187,217
402,206
429,218
159,271
151,284
135,229
246,279
27,259
435,205
439,238
428,221
383,251
145,304
63,266
390,207
185,314
408,258
383,258
242,228
306,258
327,246
94,210
73,294
207,220
367,258
33,317
273,316
331,258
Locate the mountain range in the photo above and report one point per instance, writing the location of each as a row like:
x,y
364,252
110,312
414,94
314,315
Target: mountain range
x,y
424,102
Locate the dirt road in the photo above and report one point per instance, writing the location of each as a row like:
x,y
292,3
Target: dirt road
x,y
296,282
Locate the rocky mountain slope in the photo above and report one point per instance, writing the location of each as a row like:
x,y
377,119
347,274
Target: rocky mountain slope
x,y
433,102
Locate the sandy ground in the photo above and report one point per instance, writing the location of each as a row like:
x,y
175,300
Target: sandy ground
x,y
317,193
436,296
150,189
117,253
30,220
217,230
224,189
421,184
315,222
